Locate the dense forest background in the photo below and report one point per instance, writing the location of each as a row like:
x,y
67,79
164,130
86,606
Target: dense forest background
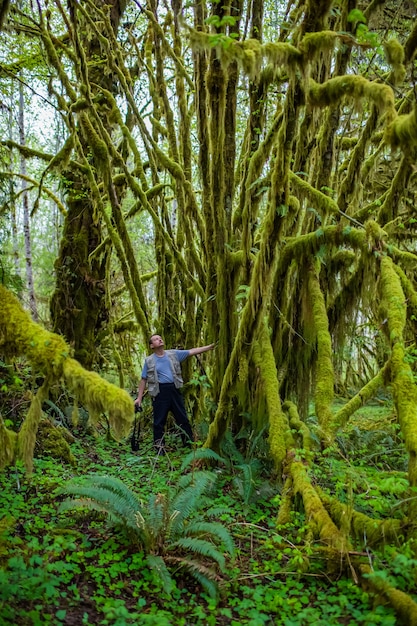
x,y
240,173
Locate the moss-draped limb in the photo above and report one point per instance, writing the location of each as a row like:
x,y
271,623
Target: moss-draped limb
x,y
365,530
367,392
26,437
324,204
99,396
356,87
278,424
402,603
307,245
324,384
393,307
48,354
328,532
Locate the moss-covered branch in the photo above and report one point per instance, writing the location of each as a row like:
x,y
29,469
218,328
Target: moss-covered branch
x,y
49,356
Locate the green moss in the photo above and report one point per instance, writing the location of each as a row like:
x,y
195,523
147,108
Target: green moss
x,y
52,442
296,423
324,384
322,41
365,530
8,445
49,356
278,424
315,511
354,87
367,392
403,604
402,132
395,56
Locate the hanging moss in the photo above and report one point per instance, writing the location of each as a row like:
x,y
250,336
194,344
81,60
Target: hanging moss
x,y
278,424
26,438
322,41
395,57
402,132
404,387
49,356
355,87
8,445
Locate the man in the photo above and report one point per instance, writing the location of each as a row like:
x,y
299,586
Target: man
x,y
162,373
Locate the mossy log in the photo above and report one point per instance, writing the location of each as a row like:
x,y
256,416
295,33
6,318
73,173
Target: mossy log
x,y
364,529
404,606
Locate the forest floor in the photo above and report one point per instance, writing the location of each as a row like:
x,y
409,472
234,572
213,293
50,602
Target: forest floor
x,y
66,568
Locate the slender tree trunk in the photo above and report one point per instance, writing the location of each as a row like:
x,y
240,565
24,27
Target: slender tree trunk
x,y
26,216
15,241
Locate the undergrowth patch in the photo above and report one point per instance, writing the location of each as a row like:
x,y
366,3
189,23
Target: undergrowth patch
x,y
76,568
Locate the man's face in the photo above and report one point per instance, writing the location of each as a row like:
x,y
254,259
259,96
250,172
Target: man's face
x,y
156,341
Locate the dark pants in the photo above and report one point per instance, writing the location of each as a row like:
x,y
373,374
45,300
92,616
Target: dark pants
x,y
168,399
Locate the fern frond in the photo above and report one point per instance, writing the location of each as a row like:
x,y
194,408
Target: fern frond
x,y
113,505
201,546
160,570
204,575
109,483
201,454
156,515
217,511
215,530
202,480
86,503
210,586
187,500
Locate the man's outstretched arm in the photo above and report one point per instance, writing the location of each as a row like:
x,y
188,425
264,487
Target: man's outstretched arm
x,y
194,351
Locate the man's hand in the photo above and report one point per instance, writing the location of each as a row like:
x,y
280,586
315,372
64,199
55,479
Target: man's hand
x,y
138,408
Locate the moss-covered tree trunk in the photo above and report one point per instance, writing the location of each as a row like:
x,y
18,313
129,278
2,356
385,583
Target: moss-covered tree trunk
x,y
79,304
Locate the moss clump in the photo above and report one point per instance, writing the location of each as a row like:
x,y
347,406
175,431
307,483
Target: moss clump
x,y
51,441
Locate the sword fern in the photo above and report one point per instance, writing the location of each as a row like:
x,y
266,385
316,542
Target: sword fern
x,y
170,528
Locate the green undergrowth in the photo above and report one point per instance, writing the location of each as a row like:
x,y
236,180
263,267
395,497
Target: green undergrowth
x,y
78,567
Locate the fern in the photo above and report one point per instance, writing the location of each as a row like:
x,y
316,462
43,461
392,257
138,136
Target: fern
x,y
161,526
158,567
215,530
112,505
201,454
206,576
203,547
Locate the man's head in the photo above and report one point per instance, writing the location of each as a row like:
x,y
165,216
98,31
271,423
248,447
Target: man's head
x,y
155,341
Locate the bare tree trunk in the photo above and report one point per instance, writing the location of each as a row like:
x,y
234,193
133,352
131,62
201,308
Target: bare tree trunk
x,y
26,217
15,241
